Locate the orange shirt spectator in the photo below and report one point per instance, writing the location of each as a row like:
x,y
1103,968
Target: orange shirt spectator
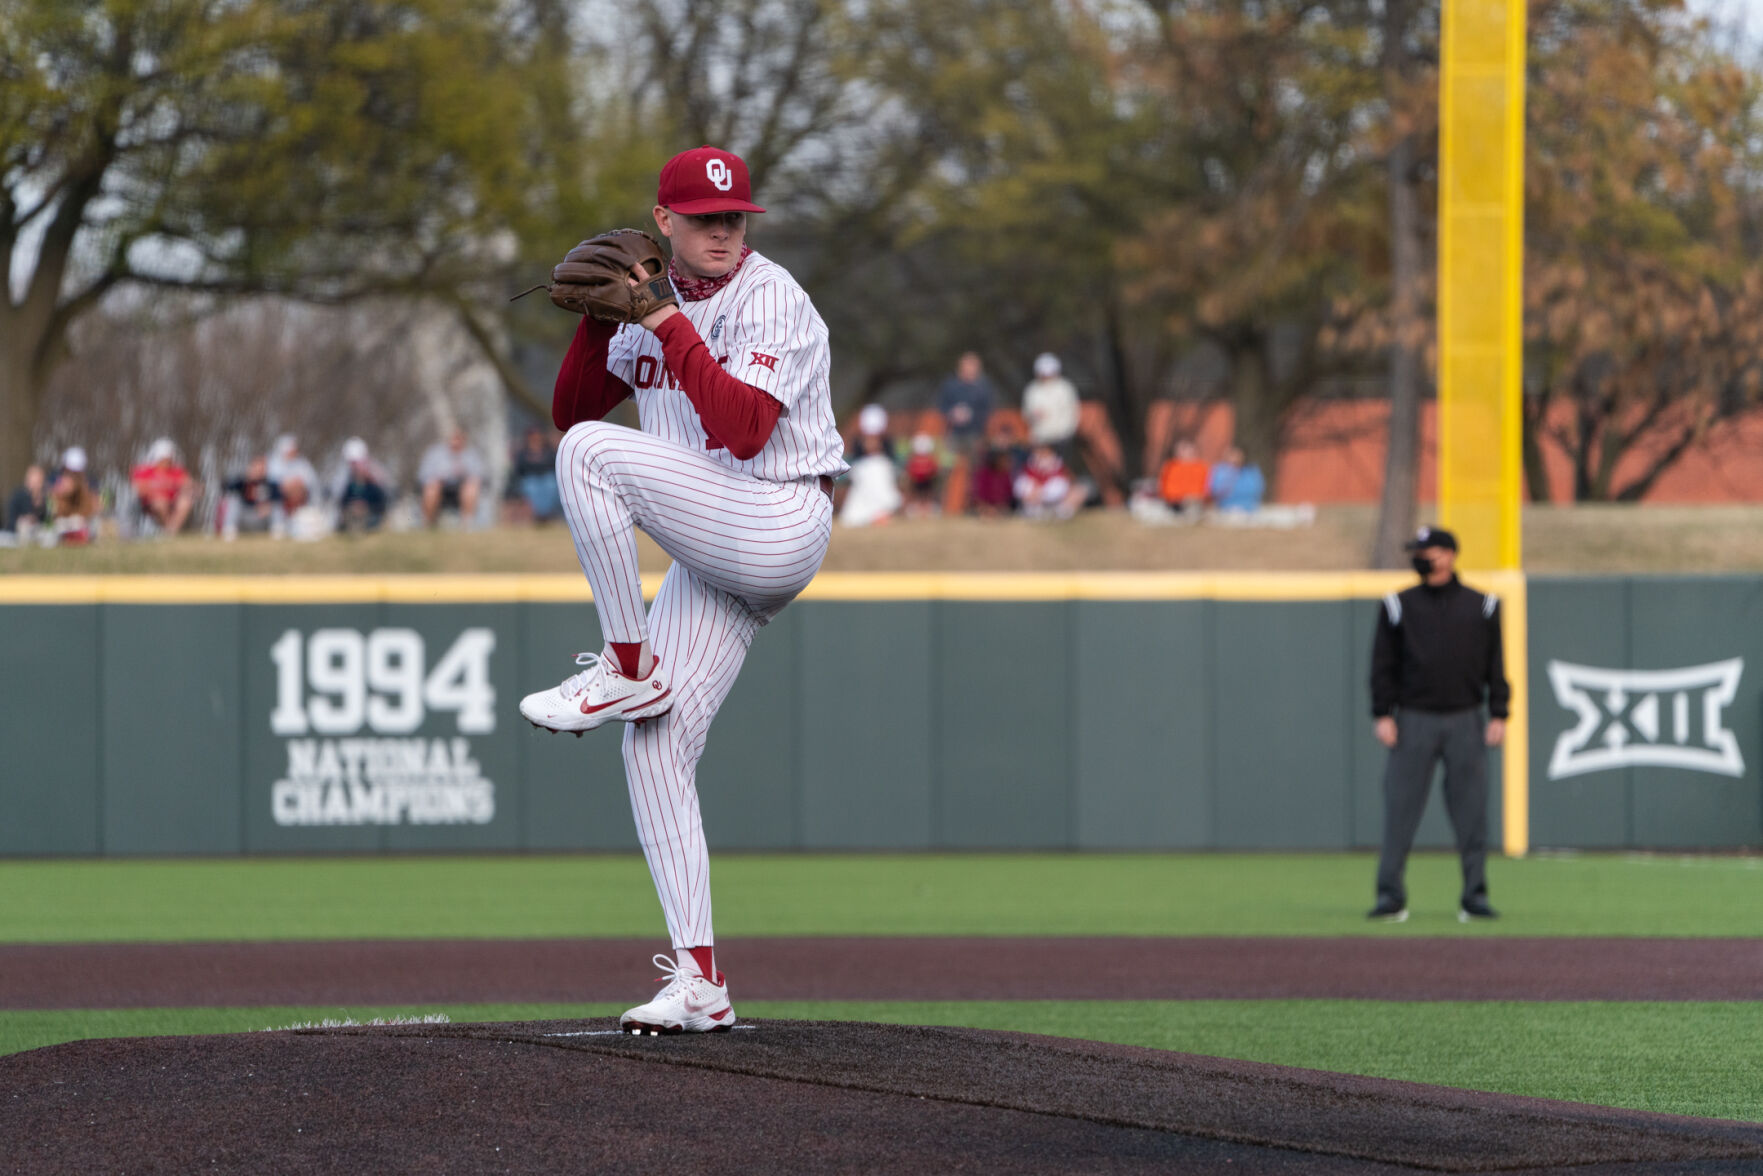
x,y
1183,477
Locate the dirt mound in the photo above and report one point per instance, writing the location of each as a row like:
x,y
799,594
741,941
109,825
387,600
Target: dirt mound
x,y
783,1096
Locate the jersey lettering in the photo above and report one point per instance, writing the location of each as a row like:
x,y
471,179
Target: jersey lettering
x,y
761,328
651,374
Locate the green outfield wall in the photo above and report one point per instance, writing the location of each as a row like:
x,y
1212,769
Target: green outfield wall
x,y
1647,711
897,713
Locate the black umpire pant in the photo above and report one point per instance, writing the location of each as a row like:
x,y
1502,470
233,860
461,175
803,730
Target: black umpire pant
x,y
1423,738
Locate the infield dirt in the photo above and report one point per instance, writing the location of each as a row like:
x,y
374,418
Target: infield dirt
x,y
149,975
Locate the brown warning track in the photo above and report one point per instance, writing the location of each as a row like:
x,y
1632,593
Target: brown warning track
x,y
779,1096
36,976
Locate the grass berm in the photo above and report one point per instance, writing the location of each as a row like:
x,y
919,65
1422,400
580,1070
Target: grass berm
x,y
1671,540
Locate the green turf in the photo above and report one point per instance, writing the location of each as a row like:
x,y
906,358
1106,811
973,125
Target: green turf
x,y
1003,894
1680,1058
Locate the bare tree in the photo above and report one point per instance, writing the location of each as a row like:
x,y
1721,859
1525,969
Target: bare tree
x,y
221,384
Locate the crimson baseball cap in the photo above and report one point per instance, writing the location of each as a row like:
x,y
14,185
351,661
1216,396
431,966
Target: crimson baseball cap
x,y
706,179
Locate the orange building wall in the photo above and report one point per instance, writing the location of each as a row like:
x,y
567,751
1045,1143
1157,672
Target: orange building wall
x,y
1334,452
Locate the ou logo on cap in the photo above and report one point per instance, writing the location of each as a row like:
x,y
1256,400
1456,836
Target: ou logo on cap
x,y
719,175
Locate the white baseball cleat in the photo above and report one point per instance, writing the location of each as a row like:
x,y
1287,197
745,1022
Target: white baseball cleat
x,y
691,1003
598,695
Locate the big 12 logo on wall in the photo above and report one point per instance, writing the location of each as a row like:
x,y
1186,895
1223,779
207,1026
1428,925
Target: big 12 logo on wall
x,y
350,706
1647,718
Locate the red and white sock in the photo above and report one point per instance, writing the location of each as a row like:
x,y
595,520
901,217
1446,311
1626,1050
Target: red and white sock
x,y
633,658
701,960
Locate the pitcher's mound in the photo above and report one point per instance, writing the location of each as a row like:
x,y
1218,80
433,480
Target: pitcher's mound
x,y
778,1096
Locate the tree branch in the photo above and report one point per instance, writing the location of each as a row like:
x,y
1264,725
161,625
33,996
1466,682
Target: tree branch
x,y
21,219
64,315
1637,489
764,150
512,381
56,248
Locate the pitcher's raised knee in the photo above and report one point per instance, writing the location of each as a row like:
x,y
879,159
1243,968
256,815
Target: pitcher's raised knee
x,y
586,446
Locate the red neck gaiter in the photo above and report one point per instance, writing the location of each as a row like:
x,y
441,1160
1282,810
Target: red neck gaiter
x,y
698,289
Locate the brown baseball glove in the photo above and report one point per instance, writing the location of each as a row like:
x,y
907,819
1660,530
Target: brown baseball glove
x,y
617,277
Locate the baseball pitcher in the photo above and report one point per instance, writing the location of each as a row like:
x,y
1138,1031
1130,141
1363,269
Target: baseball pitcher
x,y
731,474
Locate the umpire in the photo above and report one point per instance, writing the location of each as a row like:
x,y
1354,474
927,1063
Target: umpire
x,y
1436,658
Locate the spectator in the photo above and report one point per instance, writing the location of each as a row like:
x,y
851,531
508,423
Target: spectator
x,y
1049,404
355,453
923,468
163,489
1437,657
295,478
1233,485
966,399
28,508
451,475
1044,488
994,482
873,494
873,421
533,476
361,496
73,502
1182,481
252,504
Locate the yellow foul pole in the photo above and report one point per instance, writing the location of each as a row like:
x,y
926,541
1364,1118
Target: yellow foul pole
x,y
1481,268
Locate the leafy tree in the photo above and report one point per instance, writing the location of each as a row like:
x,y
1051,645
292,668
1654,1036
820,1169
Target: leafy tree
x,y
754,76
1643,295
1408,70
1014,168
323,149
625,89
1281,224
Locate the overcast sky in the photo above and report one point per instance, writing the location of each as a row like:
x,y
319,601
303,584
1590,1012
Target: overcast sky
x,y
1747,12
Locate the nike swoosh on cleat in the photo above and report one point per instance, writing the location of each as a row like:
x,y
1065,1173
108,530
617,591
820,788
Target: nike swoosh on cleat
x,y
721,1015
588,710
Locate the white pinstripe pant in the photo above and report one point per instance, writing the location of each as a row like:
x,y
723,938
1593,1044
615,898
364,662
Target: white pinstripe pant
x,y
742,549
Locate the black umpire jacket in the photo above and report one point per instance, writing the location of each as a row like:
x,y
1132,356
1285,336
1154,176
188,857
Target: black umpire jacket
x,y
1438,649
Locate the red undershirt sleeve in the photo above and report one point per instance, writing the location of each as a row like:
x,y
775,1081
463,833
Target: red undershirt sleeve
x,y
733,412
585,390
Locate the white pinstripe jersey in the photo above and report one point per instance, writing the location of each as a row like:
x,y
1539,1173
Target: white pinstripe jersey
x,y
763,331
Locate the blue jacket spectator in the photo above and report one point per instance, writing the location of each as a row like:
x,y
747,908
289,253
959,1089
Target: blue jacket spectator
x,y
361,496
1233,485
253,503
533,476
966,400
28,508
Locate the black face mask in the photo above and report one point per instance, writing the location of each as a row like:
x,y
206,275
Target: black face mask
x,y
1422,564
